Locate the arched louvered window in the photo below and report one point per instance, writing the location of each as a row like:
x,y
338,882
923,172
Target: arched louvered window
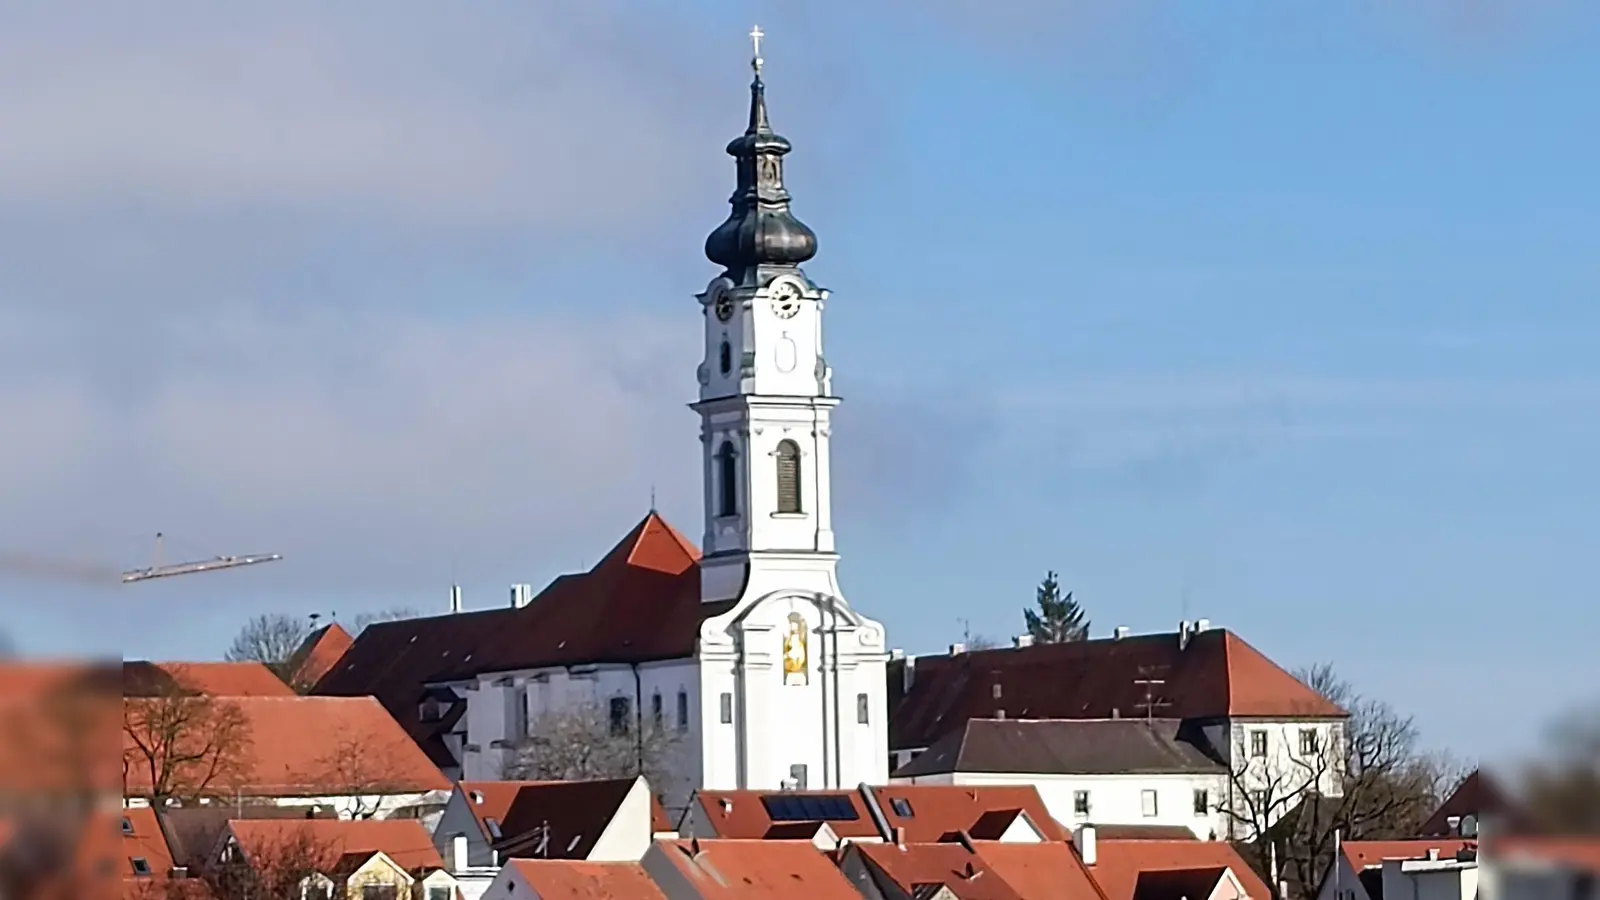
x,y
727,480
788,477
726,358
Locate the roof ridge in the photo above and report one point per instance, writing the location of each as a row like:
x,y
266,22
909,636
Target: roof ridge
x,y
651,544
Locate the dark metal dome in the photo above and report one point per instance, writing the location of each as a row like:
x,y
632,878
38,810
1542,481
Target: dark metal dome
x,y
760,230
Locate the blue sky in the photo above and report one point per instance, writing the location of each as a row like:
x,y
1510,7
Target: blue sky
x,y
1280,316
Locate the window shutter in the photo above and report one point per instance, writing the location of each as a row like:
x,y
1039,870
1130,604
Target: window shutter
x,y
788,477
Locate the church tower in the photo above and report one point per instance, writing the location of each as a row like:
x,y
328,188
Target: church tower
x,y
766,393
792,680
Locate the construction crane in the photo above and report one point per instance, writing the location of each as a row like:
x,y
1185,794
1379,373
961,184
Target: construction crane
x,y
157,570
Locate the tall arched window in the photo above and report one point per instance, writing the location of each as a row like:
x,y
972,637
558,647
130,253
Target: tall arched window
x,y
788,477
727,480
725,357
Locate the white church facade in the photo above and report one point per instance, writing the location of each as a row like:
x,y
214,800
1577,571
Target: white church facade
x,y
748,651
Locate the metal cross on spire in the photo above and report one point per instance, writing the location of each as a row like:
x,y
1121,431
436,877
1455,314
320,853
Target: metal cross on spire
x,y
756,34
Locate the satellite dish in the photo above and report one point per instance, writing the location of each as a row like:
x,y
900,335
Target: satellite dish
x,y
1469,826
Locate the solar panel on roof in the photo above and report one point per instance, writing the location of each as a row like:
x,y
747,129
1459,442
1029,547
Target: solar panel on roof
x,y
810,808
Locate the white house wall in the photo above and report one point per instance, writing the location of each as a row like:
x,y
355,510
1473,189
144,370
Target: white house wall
x,y
1114,799
1285,770
628,835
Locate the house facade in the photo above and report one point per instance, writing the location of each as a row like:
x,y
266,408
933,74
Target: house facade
x,y
1272,738
747,654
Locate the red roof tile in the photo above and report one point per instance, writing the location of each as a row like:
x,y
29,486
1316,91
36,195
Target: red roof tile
x,y
1216,674
756,870
565,879
641,602
742,814
320,747
1580,852
319,652
953,865
403,840
937,811
1362,854
224,679
1119,864
1040,871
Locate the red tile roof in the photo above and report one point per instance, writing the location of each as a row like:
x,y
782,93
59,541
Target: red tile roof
x,y
565,879
319,652
224,679
756,870
641,602
1580,852
403,840
742,814
937,811
1362,854
1040,870
56,722
1119,864
953,865
319,747
1216,674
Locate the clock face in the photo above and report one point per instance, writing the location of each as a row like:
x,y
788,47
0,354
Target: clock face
x,y
785,300
724,308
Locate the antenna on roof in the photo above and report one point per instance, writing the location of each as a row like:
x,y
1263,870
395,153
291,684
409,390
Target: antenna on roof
x,y
652,497
1150,684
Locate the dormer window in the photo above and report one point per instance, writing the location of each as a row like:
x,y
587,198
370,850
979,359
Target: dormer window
x,y
127,825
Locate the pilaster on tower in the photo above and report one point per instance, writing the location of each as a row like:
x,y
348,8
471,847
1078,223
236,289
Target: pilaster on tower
x,y
766,390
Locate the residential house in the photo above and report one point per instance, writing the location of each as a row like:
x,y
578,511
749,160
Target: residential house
x,y
1357,872
1477,797
744,870
371,859
599,821
913,871
1275,737
1168,870
552,879
914,813
343,752
1105,771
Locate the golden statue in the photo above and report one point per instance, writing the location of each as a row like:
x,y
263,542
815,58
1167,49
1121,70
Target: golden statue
x,y
794,651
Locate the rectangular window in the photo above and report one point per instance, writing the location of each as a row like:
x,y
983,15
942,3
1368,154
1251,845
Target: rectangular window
x,y
620,708
655,710
1258,802
1147,804
439,892
1308,741
727,708
902,807
1080,803
141,866
379,892
862,710
797,774
683,710
1202,802
1258,743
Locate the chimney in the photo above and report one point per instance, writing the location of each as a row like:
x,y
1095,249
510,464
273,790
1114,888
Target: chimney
x,y
1120,633
455,598
957,649
1022,640
1202,625
521,595
1183,635
1455,825
458,853
1433,854
1085,841
896,653
900,836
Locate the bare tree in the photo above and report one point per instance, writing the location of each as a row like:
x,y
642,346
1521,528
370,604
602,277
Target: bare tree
x,y
362,771
978,642
274,871
269,639
1561,793
182,744
1370,782
585,743
394,614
